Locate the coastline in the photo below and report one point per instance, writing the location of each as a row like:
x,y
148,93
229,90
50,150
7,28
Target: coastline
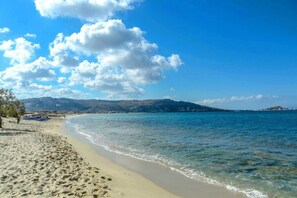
x,y
125,183
156,174
113,175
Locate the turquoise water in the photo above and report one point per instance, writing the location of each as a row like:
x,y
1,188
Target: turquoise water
x,y
250,152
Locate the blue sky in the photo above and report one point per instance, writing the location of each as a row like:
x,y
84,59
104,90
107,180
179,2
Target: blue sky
x,y
237,54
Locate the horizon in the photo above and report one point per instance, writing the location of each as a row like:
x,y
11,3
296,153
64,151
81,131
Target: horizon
x,y
230,55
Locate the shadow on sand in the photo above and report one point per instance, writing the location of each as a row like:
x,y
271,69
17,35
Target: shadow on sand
x,y
14,132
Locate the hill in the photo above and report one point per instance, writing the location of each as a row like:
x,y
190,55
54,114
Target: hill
x,y
279,108
276,108
108,106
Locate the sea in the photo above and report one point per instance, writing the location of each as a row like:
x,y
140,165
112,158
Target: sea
x,y
254,153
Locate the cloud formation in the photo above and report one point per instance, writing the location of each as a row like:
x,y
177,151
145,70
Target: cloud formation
x,y
19,50
104,55
28,35
25,75
125,59
212,101
39,69
233,99
88,10
110,80
38,90
4,30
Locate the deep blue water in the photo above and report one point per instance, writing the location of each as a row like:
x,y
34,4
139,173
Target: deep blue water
x,y
251,152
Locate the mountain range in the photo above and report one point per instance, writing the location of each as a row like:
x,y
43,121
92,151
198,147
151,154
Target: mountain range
x,y
111,106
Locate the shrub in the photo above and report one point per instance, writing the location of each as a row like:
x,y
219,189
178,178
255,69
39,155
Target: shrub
x,y
10,106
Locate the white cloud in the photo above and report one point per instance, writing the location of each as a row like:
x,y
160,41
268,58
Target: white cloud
x,y
104,55
39,69
233,99
100,37
61,55
67,92
259,96
4,30
30,35
174,61
62,80
110,80
211,101
88,10
19,51
39,90
25,89
253,97
239,98
125,59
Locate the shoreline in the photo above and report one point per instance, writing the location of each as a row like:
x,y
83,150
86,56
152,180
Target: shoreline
x,y
162,176
48,160
125,183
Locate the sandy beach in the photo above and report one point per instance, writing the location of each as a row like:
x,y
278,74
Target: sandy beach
x,y
39,160
36,164
36,161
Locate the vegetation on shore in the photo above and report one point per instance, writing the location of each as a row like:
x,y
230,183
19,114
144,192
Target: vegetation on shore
x,y
10,106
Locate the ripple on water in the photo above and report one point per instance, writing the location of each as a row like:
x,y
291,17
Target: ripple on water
x,y
250,152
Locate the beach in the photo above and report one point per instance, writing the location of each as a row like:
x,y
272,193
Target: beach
x,y
39,160
38,164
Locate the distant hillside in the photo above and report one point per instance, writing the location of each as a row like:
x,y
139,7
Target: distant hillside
x,y
106,106
278,108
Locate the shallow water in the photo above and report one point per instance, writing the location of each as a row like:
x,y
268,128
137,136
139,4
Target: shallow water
x,y
251,152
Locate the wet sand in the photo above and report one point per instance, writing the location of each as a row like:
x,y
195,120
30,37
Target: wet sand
x,y
38,159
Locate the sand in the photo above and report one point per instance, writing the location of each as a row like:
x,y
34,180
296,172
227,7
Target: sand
x,y
38,159
35,164
125,183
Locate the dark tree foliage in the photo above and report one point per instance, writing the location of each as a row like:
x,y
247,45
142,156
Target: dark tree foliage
x,y
10,106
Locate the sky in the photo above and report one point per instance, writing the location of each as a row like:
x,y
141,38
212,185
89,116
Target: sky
x,y
234,54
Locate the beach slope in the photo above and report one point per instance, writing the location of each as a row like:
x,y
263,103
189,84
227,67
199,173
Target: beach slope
x,y
37,161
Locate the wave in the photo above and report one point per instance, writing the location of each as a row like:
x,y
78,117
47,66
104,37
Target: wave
x,y
157,158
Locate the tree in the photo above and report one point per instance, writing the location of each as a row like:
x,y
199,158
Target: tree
x,y
10,106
